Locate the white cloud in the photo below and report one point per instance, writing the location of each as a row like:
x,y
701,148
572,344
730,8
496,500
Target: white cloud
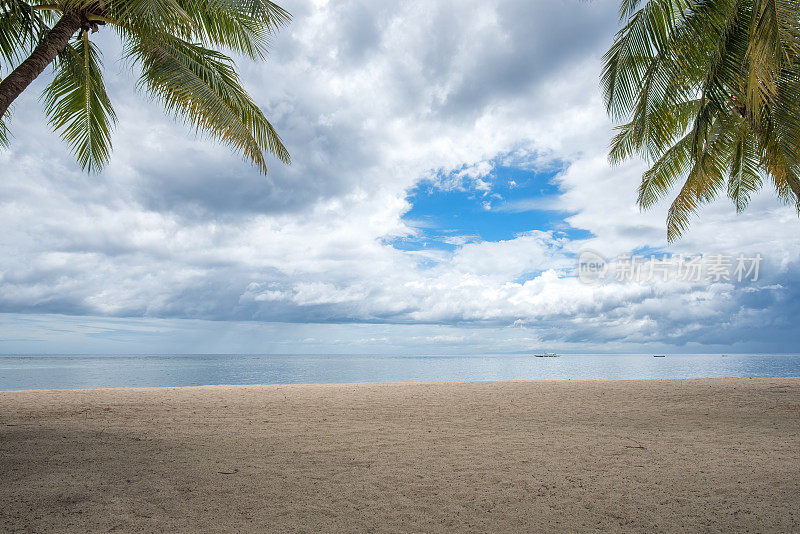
x,y
372,98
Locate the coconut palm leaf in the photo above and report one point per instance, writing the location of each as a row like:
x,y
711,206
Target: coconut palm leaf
x,y
704,180
173,44
657,182
709,90
243,26
745,175
21,26
4,133
78,106
201,87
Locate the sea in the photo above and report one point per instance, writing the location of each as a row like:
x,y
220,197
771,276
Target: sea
x,y
75,371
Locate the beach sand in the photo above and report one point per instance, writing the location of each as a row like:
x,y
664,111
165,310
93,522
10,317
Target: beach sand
x,y
546,456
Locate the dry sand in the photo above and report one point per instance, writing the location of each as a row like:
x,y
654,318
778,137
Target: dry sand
x,y
657,455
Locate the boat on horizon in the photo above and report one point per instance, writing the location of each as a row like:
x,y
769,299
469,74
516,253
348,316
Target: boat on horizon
x,y
546,355
659,355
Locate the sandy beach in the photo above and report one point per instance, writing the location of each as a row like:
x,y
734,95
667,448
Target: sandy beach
x,y
656,455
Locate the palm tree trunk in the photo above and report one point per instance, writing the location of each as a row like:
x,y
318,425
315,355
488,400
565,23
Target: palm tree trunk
x,y
45,52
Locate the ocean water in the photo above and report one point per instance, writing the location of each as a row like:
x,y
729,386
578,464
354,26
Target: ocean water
x,y
36,371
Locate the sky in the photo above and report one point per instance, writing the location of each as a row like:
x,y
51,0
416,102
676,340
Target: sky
x,y
449,174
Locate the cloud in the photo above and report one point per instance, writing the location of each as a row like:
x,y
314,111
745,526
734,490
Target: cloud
x,y
372,99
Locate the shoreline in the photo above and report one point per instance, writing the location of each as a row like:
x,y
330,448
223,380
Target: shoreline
x,y
315,384
511,456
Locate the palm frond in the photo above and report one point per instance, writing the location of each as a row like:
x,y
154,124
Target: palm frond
x,y
4,133
683,207
243,26
167,15
201,86
644,39
172,41
745,176
659,179
78,106
21,26
710,91
764,56
705,178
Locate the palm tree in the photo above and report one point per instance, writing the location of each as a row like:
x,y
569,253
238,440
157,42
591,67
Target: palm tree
x,y
709,93
167,40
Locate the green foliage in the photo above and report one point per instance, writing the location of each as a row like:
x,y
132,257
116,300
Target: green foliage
x,y
21,26
172,43
77,104
3,133
709,92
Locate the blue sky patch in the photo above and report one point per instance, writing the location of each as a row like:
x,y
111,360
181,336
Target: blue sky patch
x,y
453,208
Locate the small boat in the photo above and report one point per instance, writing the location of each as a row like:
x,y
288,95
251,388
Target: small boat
x,y
659,355
724,355
546,355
